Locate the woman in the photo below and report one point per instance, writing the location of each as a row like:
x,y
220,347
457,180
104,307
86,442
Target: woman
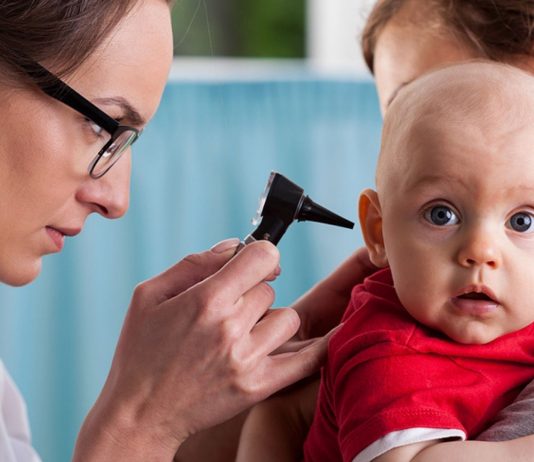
x,y
198,333
402,40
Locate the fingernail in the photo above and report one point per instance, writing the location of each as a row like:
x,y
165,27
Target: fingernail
x,y
225,245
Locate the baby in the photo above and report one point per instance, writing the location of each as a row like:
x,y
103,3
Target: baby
x,y
438,342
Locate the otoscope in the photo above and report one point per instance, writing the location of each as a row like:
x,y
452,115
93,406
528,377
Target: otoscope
x,y
283,202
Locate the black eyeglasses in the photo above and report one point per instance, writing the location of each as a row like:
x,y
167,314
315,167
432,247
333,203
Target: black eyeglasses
x,y
120,138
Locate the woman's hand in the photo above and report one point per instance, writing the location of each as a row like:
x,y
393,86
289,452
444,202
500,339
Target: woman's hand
x,y
195,350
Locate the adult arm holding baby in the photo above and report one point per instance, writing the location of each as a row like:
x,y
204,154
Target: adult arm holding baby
x,y
509,438
518,450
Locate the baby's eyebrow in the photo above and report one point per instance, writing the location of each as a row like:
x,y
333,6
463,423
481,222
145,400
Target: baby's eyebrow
x,y
520,188
433,180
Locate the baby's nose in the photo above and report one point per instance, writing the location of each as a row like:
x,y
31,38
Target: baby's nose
x,y
479,250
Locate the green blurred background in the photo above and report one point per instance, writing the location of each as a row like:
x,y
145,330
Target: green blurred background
x,y
240,28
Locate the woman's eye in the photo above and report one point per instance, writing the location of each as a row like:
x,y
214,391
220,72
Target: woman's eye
x,y
521,222
98,131
441,215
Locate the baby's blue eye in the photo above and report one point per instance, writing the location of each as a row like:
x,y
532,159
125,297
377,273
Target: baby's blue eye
x,y
441,215
521,222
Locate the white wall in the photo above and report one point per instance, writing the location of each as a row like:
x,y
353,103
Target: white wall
x,y
334,28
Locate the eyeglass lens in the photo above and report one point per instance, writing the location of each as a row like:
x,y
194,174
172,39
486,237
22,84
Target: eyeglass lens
x,y
112,152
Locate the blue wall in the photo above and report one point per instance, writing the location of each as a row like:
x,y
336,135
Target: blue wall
x,y
198,172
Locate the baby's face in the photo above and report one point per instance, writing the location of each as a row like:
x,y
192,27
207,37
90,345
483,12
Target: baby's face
x,y
458,222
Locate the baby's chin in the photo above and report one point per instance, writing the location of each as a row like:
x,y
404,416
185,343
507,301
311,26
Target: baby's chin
x,y
473,332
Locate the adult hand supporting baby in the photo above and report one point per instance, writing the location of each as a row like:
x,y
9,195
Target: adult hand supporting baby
x,y
194,351
320,309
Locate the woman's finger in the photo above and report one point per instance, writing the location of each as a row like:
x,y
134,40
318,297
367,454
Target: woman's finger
x,y
293,345
284,369
273,330
252,265
253,305
188,272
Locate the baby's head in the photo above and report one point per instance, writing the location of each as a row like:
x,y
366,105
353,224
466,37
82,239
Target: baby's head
x,y
453,213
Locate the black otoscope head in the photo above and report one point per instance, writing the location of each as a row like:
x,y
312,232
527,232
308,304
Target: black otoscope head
x,y
284,202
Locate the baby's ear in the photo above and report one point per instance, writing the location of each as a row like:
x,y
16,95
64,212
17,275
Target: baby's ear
x,y
370,215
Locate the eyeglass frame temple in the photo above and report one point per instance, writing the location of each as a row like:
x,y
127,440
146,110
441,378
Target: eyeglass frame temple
x,y
56,88
53,86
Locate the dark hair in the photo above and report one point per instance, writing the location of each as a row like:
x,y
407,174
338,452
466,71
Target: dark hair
x,y
497,29
61,33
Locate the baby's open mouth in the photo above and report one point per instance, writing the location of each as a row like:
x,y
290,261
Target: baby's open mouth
x,y
476,300
476,296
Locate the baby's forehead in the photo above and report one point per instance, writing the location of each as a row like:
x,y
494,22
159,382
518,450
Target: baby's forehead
x,y
475,92
482,103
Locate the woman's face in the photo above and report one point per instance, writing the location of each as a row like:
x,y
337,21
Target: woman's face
x,y
405,50
46,147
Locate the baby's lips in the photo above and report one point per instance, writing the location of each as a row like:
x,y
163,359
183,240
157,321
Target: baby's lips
x,y
477,289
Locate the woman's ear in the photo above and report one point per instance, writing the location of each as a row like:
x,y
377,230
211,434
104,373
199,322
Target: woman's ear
x,y
370,215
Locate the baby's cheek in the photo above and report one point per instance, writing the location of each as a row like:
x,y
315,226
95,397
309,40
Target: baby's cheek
x,y
420,291
415,299
516,292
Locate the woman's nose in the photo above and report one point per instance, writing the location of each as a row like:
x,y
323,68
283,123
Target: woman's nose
x,y
109,195
479,248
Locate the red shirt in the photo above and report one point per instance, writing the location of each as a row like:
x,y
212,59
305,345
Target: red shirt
x,y
386,372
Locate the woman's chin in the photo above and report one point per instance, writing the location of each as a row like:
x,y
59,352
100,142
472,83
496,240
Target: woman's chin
x,y
20,274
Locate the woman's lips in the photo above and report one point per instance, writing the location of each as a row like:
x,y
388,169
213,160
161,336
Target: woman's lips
x,y
58,235
58,238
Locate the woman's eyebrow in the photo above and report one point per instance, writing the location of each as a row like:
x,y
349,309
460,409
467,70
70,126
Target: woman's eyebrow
x,y
130,113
